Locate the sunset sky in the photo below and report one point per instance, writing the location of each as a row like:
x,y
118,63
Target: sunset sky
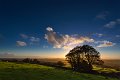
x,y
50,28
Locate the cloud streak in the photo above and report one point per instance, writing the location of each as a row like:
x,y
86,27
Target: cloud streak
x,y
30,39
21,43
112,24
65,41
102,15
6,55
118,36
105,44
34,40
24,36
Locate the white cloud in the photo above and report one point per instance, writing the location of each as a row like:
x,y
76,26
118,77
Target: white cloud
x,y
118,21
111,24
45,46
49,29
105,44
30,39
102,15
117,36
65,41
24,36
21,43
100,35
34,39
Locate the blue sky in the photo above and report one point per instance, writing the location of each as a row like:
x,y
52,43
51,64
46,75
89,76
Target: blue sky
x,y
50,28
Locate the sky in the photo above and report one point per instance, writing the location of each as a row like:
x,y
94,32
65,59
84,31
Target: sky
x,y
50,28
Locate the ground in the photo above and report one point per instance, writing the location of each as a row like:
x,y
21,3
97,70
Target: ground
x,y
14,71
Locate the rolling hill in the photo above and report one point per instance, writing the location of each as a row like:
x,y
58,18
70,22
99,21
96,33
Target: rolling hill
x,y
25,71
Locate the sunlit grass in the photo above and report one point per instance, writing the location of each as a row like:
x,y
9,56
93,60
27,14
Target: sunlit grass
x,y
13,71
105,70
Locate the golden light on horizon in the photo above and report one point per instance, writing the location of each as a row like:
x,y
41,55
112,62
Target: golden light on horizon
x,y
109,56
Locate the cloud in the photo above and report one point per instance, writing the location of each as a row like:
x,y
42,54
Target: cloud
x,y
30,39
117,36
105,44
49,29
21,43
65,41
102,15
45,46
118,21
98,34
34,40
6,55
24,36
112,24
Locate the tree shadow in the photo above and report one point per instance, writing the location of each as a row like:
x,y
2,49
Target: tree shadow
x,y
95,72
111,74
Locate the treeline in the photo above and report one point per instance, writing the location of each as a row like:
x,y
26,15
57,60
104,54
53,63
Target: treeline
x,y
35,61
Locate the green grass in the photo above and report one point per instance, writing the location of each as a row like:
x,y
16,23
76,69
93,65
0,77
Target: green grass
x,y
105,70
13,71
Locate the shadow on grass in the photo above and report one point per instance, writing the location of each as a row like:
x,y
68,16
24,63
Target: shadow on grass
x,y
27,70
111,74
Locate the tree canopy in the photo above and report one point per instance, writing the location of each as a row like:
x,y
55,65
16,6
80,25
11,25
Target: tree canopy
x,y
82,58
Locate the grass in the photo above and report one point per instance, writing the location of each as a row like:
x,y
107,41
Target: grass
x,y
104,70
13,71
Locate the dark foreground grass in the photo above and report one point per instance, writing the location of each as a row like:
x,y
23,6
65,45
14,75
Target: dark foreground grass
x,y
13,71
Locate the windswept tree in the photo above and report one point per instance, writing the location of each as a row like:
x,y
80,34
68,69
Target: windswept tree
x,y
82,58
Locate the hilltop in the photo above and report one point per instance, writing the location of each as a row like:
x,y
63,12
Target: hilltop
x,y
26,71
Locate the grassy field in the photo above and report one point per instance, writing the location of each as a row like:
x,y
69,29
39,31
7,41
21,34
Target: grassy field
x,y
13,71
112,63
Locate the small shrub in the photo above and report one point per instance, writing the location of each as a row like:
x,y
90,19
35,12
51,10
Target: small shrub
x,y
60,63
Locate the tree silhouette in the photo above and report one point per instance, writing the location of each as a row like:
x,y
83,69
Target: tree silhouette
x,y
81,58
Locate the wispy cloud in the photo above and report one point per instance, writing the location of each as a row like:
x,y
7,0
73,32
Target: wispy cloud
x,y
45,46
34,40
118,36
24,36
21,43
118,21
98,34
102,15
65,41
112,24
30,39
6,55
105,43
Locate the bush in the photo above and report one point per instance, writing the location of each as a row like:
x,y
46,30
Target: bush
x,y
60,63
27,60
